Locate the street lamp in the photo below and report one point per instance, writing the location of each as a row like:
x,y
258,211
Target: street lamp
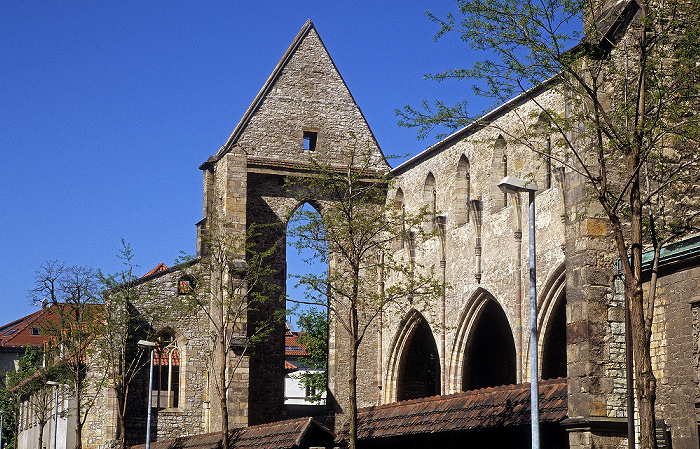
x,y
55,413
150,346
510,184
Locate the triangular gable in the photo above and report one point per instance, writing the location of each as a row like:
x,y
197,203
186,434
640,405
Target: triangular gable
x,y
305,92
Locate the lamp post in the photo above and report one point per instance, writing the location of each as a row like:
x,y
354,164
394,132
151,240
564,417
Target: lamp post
x,y
150,346
55,414
515,185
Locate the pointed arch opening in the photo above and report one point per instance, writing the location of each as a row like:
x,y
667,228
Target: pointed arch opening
x,y
489,358
304,259
419,366
166,366
413,366
399,206
499,169
552,326
306,333
462,194
544,139
554,342
430,199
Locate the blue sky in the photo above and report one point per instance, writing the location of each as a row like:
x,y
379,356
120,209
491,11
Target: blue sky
x,y
109,108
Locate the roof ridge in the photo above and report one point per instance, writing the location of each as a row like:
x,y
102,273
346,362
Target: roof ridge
x,y
308,25
478,392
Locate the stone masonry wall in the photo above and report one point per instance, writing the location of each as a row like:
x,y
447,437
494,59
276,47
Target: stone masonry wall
x,y
675,347
499,268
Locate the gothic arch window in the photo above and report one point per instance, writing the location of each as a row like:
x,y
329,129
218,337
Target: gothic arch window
x,y
430,199
401,211
419,368
554,342
462,193
544,140
499,169
166,371
551,323
489,359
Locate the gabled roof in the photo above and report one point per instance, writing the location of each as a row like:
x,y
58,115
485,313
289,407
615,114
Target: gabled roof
x,y
23,332
292,346
306,29
291,434
489,407
157,269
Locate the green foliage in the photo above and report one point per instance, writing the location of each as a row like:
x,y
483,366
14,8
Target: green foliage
x,y
129,311
313,327
74,297
520,44
17,384
625,121
233,289
355,233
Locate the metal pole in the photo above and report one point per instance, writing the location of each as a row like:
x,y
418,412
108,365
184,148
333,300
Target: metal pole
x,y
55,420
534,386
150,403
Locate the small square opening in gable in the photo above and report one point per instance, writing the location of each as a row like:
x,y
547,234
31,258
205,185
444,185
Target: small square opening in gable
x,y
310,140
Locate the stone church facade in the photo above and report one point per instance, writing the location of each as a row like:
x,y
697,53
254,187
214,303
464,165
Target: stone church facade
x,y
474,337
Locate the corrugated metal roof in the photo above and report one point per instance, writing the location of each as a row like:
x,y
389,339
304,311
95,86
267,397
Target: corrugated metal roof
x,y
489,407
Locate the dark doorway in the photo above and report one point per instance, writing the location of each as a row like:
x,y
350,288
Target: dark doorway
x,y
554,343
490,357
419,371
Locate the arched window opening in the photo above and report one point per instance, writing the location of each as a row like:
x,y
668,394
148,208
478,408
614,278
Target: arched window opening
x,y
490,356
400,209
462,191
499,169
166,375
544,136
304,261
306,339
430,200
419,369
554,342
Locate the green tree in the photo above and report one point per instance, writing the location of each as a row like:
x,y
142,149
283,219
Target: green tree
x,y
29,383
355,234
629,131
313,336
232,284
128,316
73,294
10,398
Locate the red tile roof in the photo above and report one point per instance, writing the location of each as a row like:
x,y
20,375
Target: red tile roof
x,y
290,367
157,269
23,332
489,407
294,433
292,346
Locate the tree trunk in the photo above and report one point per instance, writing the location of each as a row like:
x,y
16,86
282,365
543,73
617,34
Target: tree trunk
x,y
78,411
42,424
121,425
644,377
645,381
223,400
353,395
